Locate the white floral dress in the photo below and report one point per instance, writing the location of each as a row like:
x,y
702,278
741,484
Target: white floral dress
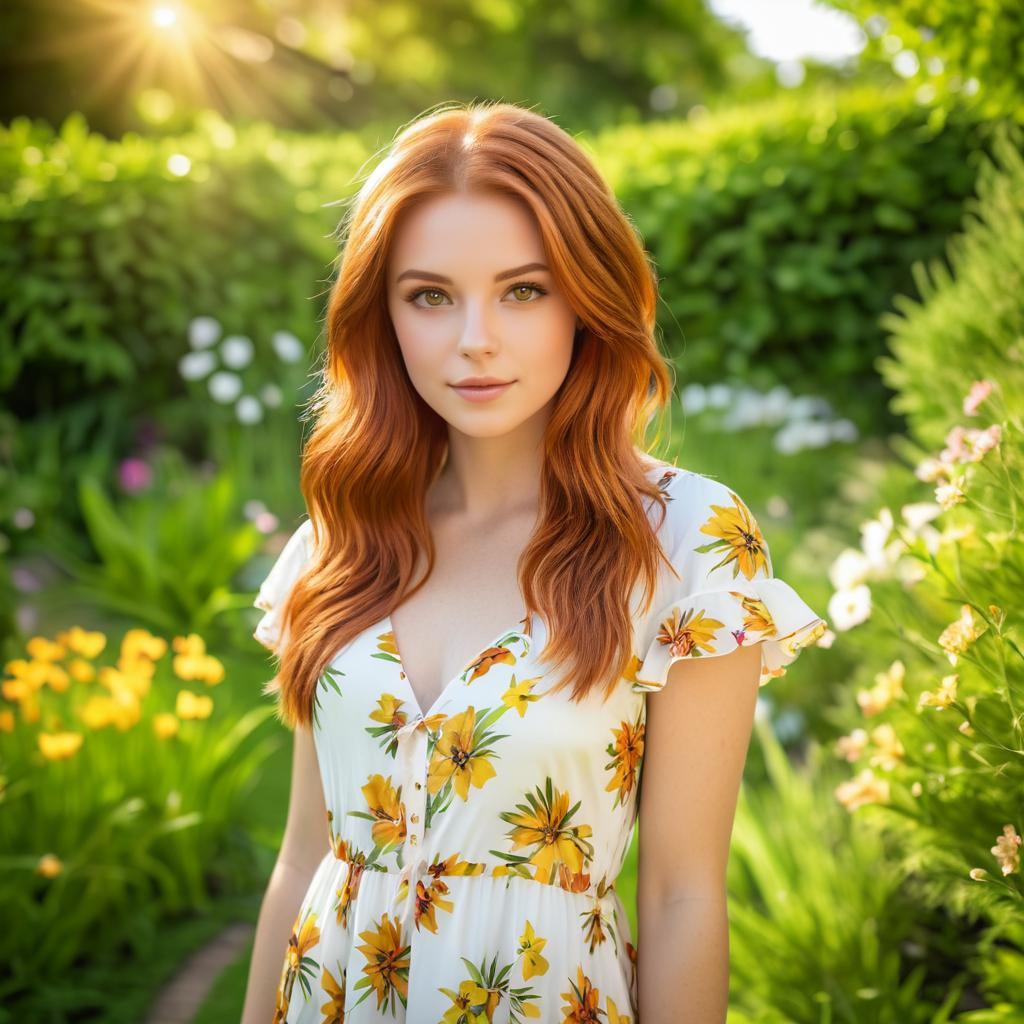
x,y
474,844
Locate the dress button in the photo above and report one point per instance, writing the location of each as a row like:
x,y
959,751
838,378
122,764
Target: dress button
x,y
412,840
414,818
418,786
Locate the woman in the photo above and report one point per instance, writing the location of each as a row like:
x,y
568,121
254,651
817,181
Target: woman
x,y
492,579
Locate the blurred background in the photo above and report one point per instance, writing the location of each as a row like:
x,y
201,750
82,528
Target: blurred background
x,y
833,194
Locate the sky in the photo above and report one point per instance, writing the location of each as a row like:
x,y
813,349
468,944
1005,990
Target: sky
x,y
787,30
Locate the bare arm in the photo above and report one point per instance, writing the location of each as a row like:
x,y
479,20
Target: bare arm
x,y
696,740
304,846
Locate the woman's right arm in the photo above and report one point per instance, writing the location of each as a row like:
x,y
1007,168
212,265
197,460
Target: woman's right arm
x,y
304,846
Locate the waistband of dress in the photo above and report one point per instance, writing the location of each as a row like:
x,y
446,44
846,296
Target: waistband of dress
x,y
577,885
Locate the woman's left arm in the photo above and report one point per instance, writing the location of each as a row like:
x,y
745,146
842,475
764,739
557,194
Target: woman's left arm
x,y
695,747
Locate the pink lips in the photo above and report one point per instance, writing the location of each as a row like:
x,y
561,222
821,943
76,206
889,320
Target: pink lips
x,y
483,393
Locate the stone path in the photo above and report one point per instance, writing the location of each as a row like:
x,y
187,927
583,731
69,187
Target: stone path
x,y
186,992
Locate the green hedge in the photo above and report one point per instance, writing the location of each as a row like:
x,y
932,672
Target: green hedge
x,y
782,230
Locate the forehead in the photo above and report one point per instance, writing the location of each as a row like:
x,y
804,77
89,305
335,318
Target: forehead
x,y
467,231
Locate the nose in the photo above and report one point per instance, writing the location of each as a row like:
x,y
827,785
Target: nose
x,y
478,336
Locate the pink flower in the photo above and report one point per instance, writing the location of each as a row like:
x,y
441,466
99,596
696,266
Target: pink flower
x,y
134,475
980,390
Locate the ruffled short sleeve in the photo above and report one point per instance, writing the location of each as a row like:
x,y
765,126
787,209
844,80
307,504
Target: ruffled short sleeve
x,y
726,596
276,586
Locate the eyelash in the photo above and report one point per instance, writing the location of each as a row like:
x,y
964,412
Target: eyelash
x,y
519,284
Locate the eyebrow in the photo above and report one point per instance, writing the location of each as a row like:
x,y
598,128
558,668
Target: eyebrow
x,y
426,275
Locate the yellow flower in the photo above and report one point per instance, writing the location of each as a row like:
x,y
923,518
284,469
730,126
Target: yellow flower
x,y
98,711
81,671
1007,850
959,635
57,746
6,720
943,698
889,751
888,686
203,667
141,643
57,677
44,650
740,538
530,946
191,705
50,865
689,633
165,725
455,757
864,789
87,643
852,746
387,960
193,645
614,1017
388,829
518,696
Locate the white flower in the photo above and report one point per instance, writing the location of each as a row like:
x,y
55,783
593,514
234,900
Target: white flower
x,y
225,386
288,348
849,608
849,569
718,396
916,514
248,409
776,404
196,365
270,394
693,398
253,507
236,350
844,430
804,407
203,331
874,535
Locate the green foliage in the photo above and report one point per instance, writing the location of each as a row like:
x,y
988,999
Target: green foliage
x,y
938,740
969,320
165,557
780,231
819,924
591,62
981,42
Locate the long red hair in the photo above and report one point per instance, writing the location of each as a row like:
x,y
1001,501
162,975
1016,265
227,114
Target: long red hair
x,y
376,446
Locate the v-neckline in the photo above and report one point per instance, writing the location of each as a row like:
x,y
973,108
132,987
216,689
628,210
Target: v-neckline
x,y
442,695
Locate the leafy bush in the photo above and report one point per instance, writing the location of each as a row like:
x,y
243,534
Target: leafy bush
x,y
780,231
929,604
820,929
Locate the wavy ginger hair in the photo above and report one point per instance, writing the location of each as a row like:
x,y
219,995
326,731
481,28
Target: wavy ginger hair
x,y
376,446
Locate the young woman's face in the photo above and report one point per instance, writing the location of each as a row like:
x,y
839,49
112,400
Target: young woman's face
x,y
470,296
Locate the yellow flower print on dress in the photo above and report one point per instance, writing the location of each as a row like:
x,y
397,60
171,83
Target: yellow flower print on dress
x,y
387,965
758,619
614,1017
480,995
461,754
387,812
543,823
583,1000
333,1011
530,948
739,537
688,632
389,712
297,963
627,751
